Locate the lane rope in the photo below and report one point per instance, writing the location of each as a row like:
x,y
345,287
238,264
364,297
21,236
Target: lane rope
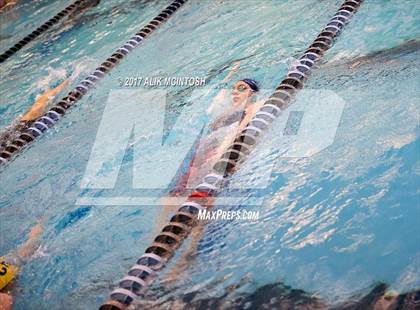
x,y
41,29
42,124
144,272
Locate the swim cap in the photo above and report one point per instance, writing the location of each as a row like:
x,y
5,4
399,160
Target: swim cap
x,y
251,83
7,273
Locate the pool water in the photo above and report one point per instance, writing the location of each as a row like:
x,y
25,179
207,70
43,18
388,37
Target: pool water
x,y
334,224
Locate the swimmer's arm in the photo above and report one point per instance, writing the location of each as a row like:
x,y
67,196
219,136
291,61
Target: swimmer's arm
x,y
222,148
229,139
30,246
223,92
235,68
250,112
39,107
5,5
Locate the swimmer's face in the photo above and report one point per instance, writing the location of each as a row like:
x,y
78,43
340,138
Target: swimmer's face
x,y
241,94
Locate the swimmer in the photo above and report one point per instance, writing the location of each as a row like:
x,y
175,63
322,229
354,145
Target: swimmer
x,y
229,120
225,127
231,115
8,14
78,14
12,262
38,109
83,7
7,4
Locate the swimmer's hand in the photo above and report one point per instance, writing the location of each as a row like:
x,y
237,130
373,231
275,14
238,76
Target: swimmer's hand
x,y
236,66
234,69
56,90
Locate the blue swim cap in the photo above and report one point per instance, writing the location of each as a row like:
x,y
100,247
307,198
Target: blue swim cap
x,y
251,83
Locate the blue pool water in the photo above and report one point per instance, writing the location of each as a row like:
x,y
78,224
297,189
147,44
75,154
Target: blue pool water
x,y
334,224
